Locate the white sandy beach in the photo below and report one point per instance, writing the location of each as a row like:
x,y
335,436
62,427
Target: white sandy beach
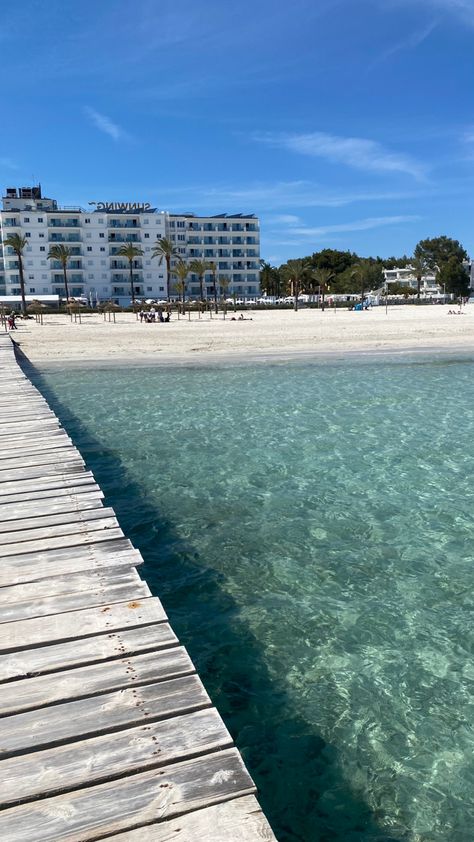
x,y
272,333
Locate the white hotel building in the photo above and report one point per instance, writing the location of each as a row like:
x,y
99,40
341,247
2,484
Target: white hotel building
x,y
231,242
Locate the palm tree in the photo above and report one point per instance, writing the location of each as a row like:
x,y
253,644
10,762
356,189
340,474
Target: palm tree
x,y
181,270
18,243
62,254
214,285
420,267
363,273
322,277
297,272
224,284
164,248
200,267
130,252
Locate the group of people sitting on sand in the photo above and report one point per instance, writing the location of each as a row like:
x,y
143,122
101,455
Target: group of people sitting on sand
x,y
153,315
455,313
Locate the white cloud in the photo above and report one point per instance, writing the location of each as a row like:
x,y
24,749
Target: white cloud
x,y
356,152
105,124
263,196
357,225
413,40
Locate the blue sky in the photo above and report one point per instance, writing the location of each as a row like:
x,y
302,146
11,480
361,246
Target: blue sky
x,y
341,123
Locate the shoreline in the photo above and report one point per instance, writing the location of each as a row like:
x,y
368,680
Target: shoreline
x,y
348,355
269,337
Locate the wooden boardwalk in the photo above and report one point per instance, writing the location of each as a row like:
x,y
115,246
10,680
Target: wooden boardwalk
x,y
106,731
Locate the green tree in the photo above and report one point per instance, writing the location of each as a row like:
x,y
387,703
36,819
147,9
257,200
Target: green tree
x,y
130,252
440,250
165,250
62,254
453,277
297,272
334,260
368,275
18,244
420,267
322,278
181,270
199,267
214,285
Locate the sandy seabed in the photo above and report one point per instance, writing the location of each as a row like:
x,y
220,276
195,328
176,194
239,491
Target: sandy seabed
x,y
273,334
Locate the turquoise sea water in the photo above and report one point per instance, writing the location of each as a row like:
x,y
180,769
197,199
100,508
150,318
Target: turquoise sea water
x,y
310,531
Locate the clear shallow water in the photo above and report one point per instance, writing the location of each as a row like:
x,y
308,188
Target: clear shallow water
x,y
310,530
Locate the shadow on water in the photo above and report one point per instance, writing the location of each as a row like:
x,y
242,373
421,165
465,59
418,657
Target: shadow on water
x,y
301,788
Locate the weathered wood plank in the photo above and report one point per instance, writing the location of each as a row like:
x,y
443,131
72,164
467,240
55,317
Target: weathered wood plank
x,y
231,821
18,475
59,484
54,505
51,448
38,440
34,570
25,634
44,525
75,525
103,758
62,457
41,691
89,650
53,586
139,799
93,534
60,604
96,715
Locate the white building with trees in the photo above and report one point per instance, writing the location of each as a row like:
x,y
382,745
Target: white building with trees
x,y
229,245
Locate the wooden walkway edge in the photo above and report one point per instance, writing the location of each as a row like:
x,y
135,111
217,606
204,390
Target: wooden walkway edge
x,y
106,731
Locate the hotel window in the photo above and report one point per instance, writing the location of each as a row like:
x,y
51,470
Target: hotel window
x,y
147,236
89,248
103,263
146,221
27,234
87,220
32,289
31,278
102,248
171,224
26,219
45,289
88,235
181,237
149,289
148,275
102,235
100,221
180,224
162,289
40,219
42,235
29,263
104,275
42,248
43,263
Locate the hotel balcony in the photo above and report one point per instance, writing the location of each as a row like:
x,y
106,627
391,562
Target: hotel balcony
x,y
64,238
63,223
72,264
123,238
130,223
121,279
124,266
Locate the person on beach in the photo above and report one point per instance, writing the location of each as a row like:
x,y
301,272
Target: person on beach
x,y
142,314
11,321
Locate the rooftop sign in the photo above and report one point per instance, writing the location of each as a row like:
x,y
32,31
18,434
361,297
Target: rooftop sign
x,y
130,207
